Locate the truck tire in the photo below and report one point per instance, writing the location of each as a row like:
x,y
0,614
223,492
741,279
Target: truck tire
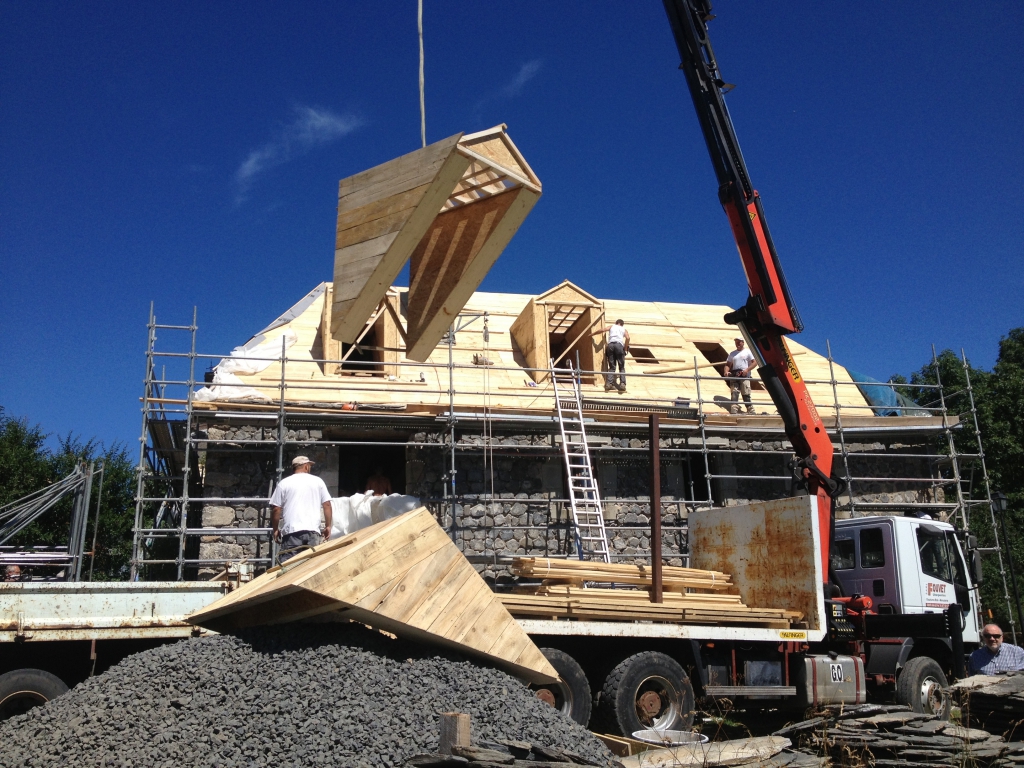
x,y
571,696
647,690
922,687
23,689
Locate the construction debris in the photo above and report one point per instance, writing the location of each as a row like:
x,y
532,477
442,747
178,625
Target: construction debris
x,y
328,695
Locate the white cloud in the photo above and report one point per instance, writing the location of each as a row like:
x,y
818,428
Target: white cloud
x,y
311,128
511,89
526,73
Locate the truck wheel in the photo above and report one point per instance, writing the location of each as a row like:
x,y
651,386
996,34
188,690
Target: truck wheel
x,y
921,686
23,689
647,690
571,695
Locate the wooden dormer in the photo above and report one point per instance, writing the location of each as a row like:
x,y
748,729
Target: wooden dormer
x,y
557,325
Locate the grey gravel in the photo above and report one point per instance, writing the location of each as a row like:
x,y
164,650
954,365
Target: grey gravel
x,y
300,695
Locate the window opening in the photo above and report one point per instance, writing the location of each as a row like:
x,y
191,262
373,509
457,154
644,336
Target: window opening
x,y
872,548
713,353
643,355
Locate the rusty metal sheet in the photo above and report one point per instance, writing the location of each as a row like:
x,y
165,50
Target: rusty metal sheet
x,y
771,549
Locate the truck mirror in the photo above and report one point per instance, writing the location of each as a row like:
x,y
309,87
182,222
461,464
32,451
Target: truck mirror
x,y
976,573
972,542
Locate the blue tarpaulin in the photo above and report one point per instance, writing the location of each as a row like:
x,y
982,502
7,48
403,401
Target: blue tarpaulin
x,y
884,399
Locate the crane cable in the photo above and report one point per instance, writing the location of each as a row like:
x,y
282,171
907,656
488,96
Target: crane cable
x,y
423,104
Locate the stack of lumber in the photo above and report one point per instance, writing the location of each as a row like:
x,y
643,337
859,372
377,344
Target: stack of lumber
x,y
690,595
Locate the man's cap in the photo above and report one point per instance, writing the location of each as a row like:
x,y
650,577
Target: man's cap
x,y
739,338
298,461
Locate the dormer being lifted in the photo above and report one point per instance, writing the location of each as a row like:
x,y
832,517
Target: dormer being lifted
x,y
451,207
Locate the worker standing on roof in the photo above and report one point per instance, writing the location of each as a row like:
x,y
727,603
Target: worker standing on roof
x,y
297,503
615,353
738,366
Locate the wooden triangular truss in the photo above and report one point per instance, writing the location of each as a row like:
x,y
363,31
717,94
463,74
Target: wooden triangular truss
x,y
403,576
451,208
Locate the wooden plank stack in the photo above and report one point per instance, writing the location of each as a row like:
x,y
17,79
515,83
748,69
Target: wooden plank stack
x,y
690,595
404,576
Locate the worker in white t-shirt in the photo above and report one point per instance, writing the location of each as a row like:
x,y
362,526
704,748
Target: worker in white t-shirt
x,y
738,366
297,503
615,354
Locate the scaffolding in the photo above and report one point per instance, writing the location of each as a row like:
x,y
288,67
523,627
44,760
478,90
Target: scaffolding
x,y
708,450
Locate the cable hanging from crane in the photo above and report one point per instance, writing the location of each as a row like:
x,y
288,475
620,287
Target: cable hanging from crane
x,y
423,103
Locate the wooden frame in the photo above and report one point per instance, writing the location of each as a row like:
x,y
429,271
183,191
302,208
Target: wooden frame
x,y
566,311
451,207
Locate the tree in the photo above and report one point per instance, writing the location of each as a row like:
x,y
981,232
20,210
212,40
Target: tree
x,y
999,402
27,464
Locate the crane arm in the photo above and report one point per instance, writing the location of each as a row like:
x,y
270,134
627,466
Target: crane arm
x,y
769,312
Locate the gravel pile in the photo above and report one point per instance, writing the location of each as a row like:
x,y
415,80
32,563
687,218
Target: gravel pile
x,y
302,695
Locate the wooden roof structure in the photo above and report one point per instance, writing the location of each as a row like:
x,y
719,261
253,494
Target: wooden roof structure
x,y
670,343
450,208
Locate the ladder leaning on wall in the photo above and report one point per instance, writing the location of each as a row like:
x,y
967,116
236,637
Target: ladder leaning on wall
x,y
587,513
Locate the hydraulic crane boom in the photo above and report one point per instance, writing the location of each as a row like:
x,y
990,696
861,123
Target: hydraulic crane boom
x,y
769,312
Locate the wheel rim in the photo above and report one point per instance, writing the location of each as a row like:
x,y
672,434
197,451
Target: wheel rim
x,y
557,695
658,703
930,695
20,702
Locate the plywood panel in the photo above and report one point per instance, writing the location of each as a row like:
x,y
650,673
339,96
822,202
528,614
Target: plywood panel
x,y
383,576
487,227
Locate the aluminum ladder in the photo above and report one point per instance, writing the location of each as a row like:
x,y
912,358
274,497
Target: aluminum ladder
x,y
587,514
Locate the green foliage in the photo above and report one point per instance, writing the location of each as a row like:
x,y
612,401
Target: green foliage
x,y
999,402
26,465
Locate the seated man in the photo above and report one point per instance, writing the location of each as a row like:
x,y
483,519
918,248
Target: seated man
x,y
996,656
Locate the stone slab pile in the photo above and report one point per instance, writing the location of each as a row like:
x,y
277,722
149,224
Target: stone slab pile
x,y
509,753
300,695
891,736
994,702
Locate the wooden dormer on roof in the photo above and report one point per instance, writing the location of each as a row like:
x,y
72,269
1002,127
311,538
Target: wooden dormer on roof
x,y
557,326
451,208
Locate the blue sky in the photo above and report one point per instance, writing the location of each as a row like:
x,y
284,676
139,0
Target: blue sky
x,y
188,154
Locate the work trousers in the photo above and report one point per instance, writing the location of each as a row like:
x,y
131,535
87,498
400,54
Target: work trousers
x,y
294,543
615,355
740,386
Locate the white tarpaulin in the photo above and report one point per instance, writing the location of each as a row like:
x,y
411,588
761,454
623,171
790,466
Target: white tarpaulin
x,y
249,359
351,513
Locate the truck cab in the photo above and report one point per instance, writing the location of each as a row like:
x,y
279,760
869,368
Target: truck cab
x,y
910,567
906,565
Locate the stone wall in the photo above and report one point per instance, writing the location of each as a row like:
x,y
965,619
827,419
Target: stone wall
x,y
245,467
511,502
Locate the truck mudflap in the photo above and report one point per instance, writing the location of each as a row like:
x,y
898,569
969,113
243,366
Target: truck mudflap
x,y
830,679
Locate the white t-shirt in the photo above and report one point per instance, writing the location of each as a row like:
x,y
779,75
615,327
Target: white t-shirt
x,y
300,497
738,361
617,335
